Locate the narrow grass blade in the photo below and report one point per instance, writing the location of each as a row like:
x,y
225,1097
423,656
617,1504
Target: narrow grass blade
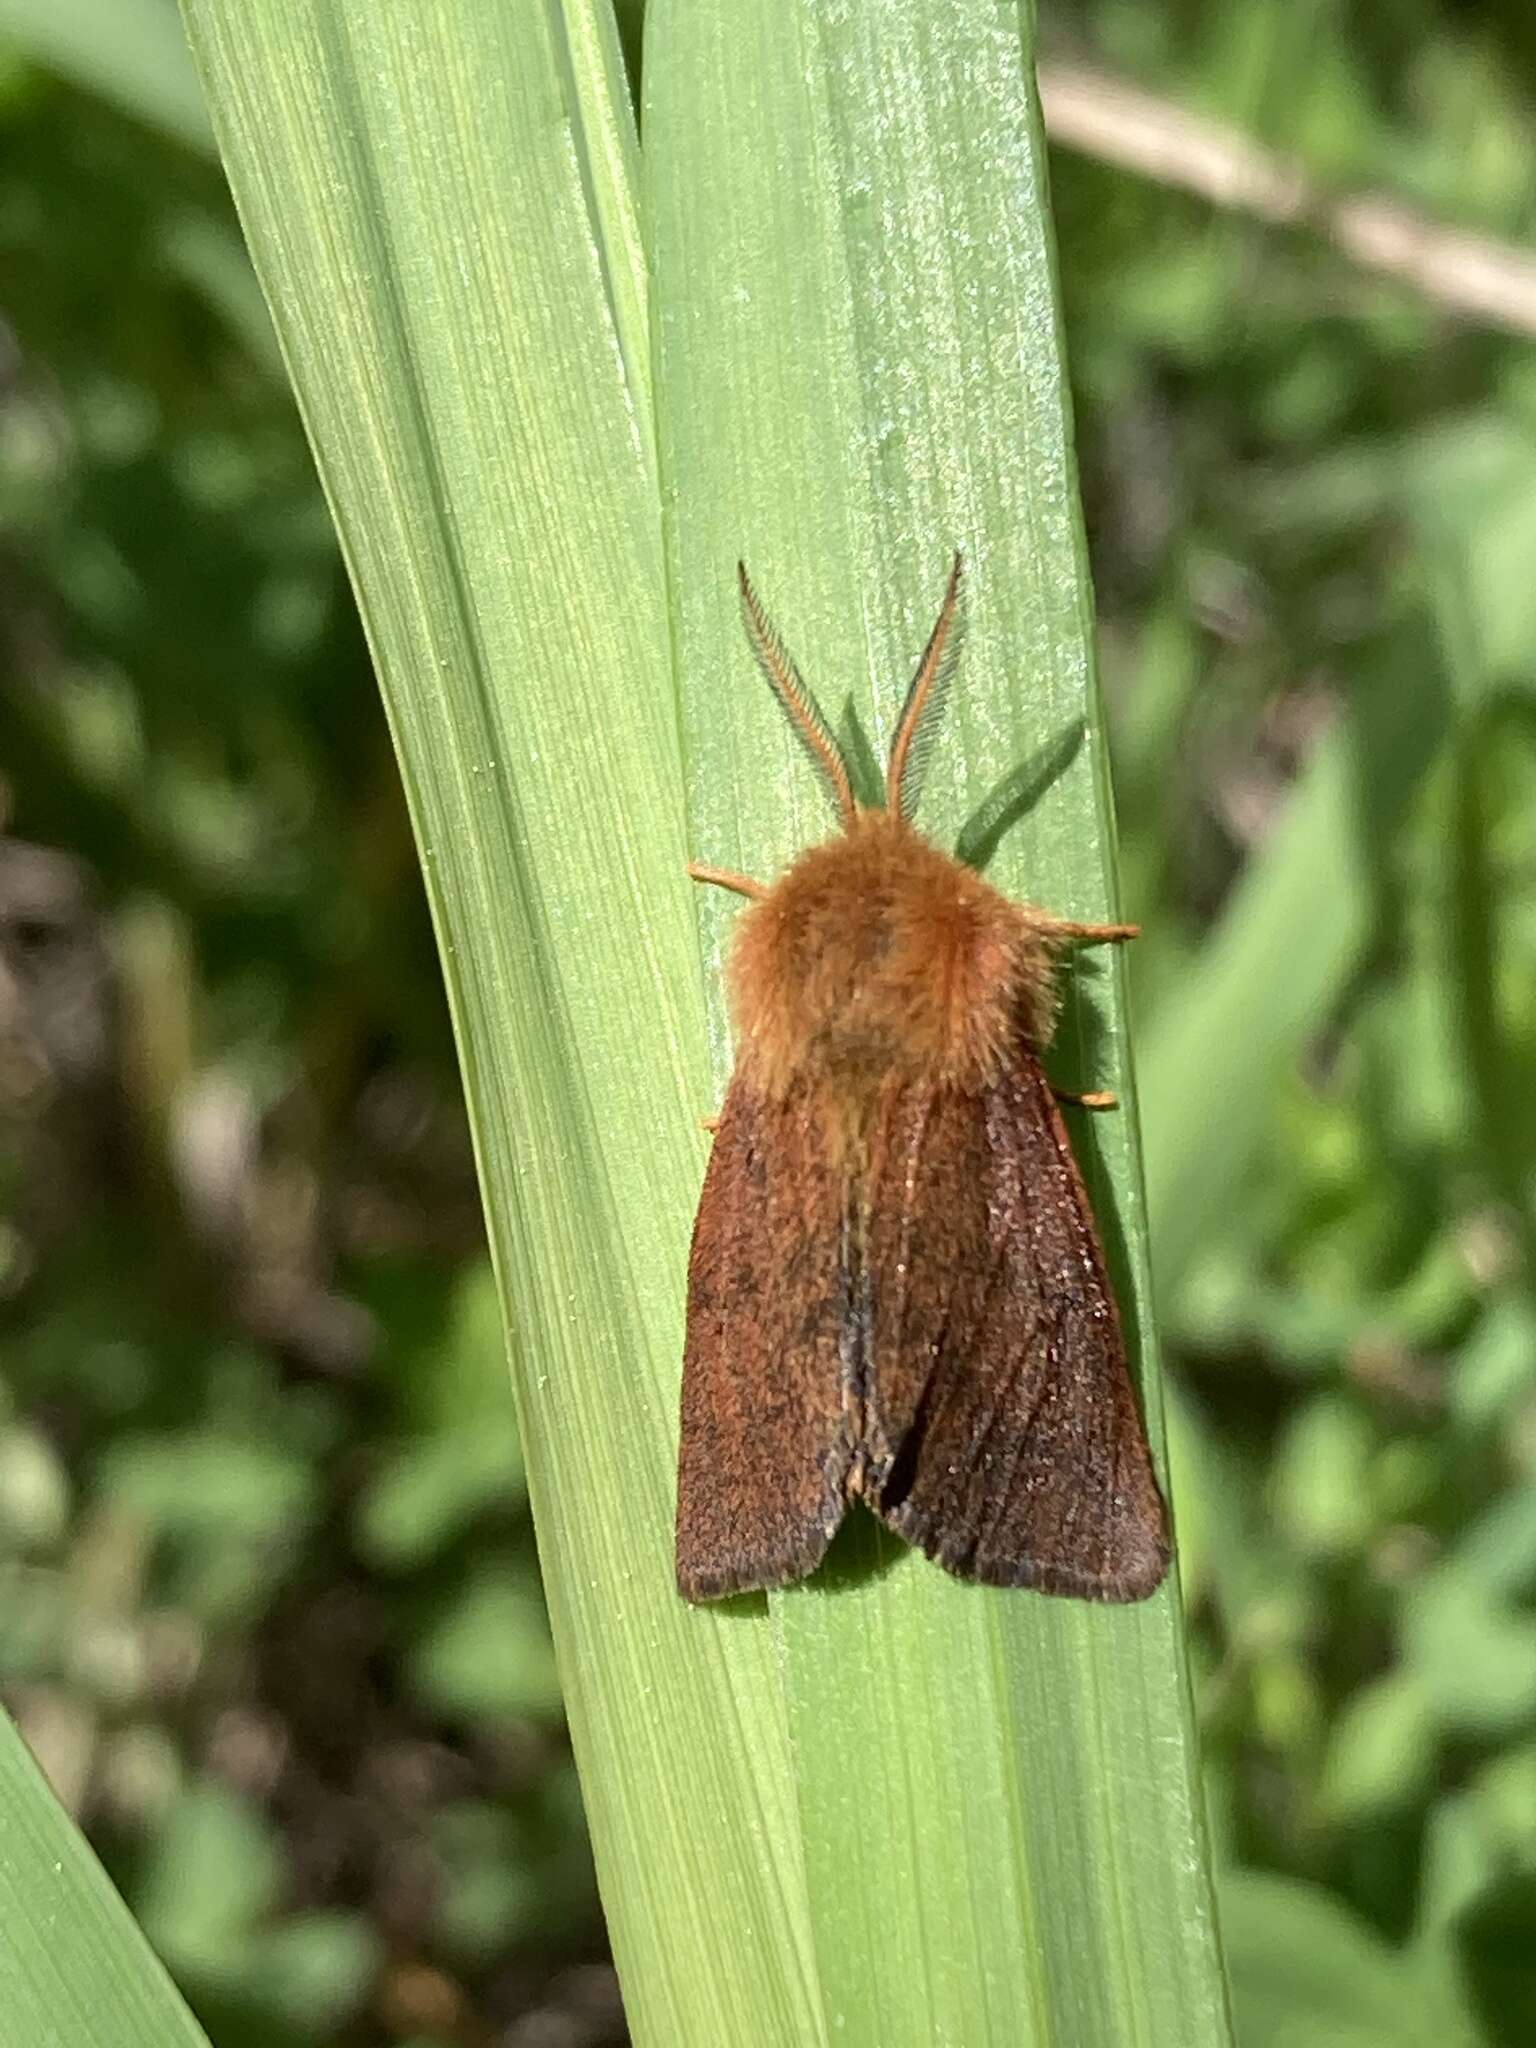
x,y
859,370
436,201
74,1970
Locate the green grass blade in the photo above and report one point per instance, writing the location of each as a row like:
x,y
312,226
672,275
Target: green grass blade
x,y
859,369
608,156
74,1970
419,193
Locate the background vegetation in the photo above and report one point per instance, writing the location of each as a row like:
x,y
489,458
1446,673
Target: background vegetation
x,y
269,1607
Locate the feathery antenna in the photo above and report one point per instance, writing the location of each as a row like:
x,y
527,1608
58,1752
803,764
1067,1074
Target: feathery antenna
x,y
921,712
799,706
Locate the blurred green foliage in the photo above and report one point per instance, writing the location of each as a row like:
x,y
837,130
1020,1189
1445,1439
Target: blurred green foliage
x,y
1312,495
268,1592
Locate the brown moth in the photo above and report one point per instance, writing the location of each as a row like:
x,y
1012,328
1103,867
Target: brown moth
x,y
896,1293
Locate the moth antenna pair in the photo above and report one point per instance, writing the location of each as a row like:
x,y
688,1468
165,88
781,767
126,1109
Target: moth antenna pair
x,y
915,728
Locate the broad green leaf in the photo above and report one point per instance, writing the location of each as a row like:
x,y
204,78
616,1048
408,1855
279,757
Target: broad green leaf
x,y
1306,1973
1381,1749
487,1654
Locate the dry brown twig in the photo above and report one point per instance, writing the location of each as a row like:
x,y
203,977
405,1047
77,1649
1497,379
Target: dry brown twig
x,y
1101,116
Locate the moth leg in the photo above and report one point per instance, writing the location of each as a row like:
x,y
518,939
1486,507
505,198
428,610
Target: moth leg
x,y
709,1123
723,878
1062,932
1095,1098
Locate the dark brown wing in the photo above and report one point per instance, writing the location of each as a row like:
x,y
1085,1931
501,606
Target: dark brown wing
x,y
766,1437
1003,1436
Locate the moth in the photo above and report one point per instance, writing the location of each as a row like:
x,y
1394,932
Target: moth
x,y
896,1291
